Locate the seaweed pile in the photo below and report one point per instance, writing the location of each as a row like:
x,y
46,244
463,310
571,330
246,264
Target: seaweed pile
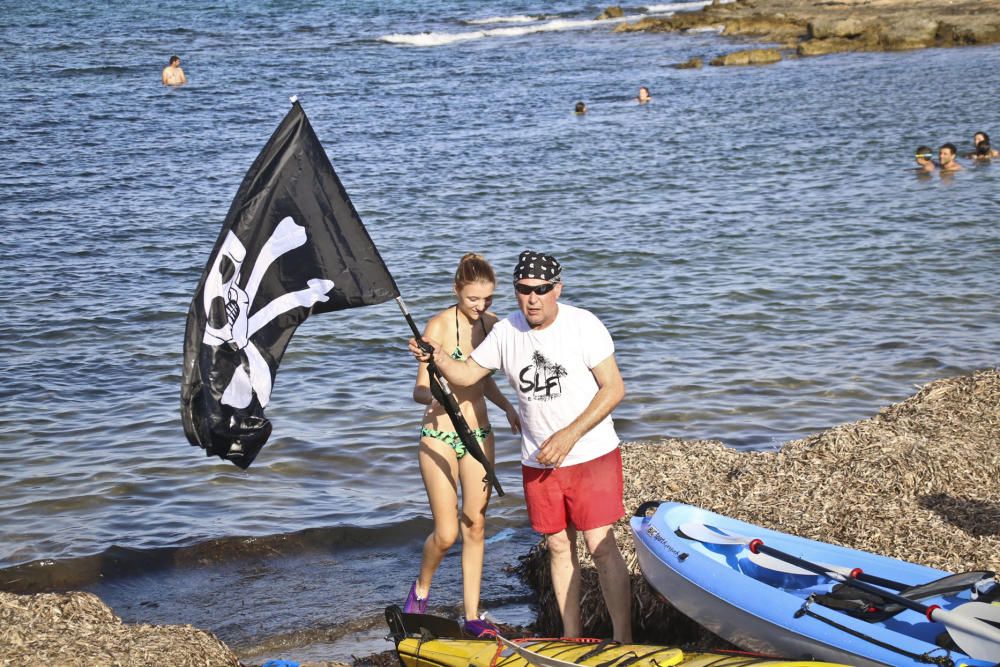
x,y
918,481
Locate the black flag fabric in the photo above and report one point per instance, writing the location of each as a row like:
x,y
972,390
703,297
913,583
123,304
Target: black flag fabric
x,y
292,245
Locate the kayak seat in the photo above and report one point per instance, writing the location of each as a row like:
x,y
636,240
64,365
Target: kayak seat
x,y
873,608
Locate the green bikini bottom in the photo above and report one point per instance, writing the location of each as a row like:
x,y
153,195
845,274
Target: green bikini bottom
x,y
451,438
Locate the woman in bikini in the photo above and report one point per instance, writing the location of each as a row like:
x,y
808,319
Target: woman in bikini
x,y
444,461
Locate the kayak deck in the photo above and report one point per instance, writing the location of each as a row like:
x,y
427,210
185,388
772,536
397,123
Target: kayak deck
x,y
414,652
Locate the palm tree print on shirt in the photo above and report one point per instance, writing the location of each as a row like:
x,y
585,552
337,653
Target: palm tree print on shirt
x,y
541,380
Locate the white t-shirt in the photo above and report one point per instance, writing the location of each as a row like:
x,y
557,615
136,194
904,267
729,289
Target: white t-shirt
x,y
550,370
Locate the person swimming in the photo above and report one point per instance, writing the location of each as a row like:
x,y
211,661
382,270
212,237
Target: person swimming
x,y
984,152
978,138
581,108
946,158
643,97
925,159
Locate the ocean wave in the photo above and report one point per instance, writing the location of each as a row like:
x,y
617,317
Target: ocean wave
x,y
442,38
517,18
682,6
119,561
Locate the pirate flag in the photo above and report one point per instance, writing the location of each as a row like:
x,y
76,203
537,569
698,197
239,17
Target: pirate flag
x,y
292,245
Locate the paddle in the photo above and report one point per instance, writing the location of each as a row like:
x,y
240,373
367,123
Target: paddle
x,y
713,535
442,392
971,625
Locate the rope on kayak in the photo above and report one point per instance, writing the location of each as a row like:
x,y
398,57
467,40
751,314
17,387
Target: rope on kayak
x,y
926,658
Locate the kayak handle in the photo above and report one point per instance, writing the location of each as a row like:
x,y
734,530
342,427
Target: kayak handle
x,y
646,506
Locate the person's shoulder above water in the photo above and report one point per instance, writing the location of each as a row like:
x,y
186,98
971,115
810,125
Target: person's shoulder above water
x,y
172,74
979,152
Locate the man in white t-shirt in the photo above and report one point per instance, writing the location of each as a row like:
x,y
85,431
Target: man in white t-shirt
x,y
560,360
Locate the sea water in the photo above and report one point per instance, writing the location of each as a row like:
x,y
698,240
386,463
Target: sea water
x,y
754,238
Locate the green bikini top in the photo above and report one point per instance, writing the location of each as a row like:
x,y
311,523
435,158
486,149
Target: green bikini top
x,y
458,355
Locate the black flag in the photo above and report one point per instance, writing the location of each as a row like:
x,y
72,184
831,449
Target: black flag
x,y
292,244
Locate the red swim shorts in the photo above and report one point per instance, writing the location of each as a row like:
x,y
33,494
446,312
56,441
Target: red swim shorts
x,y
587,495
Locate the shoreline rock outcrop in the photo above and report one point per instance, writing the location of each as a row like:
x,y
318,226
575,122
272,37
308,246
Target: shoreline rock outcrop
x,y
808,28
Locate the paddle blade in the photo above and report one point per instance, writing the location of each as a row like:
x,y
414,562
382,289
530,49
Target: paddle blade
x,y
975,627
710,534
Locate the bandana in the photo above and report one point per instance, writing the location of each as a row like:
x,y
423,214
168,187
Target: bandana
x,y
537,265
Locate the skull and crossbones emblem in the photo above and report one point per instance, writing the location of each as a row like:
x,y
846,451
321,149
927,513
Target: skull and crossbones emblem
x,y
239,326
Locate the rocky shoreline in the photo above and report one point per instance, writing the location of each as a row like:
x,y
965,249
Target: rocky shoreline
x,y
917,481
801,28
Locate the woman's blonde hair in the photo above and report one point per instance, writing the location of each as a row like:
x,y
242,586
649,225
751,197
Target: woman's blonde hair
x,y
473,268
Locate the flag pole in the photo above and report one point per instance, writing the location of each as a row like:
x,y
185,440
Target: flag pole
x,y
442,392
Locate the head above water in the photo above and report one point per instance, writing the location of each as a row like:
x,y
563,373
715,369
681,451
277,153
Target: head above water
x,y
924,153
980,137
175,60
643,93
947,152
983,149
581,107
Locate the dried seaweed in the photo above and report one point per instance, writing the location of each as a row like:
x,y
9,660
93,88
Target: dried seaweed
x,y
918,481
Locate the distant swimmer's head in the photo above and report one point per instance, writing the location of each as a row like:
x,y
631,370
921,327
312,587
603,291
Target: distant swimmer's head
x,y
983,149
174,60
980,137
581,107
924,153
643,95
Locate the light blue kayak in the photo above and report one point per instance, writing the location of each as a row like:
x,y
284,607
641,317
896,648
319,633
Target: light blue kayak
x,y
776,593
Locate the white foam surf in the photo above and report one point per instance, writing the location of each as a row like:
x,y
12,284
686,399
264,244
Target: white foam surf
x,y
442,38
518,18
682,6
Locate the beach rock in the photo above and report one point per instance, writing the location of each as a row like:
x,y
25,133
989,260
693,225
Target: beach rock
x,y
834,26
691,63
962,31
614,12
826,27
820,47
770,28
748,57
917,482
79,629
909,33
646,25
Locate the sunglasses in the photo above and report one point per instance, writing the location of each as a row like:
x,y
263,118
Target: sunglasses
x,y
534,289
926,156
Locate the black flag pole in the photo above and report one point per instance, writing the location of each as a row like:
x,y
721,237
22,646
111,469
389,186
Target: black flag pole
x,y
443,393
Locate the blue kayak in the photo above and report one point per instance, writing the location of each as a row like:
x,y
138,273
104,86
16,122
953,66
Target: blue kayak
x,y
776,593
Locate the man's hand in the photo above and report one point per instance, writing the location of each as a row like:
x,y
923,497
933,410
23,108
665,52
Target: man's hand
x,y
419,353
556,447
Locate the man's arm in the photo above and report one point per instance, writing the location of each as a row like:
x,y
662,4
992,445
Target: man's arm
x,y
459,373
611,391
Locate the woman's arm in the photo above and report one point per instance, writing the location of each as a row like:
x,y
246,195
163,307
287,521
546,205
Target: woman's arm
x,y
492,392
